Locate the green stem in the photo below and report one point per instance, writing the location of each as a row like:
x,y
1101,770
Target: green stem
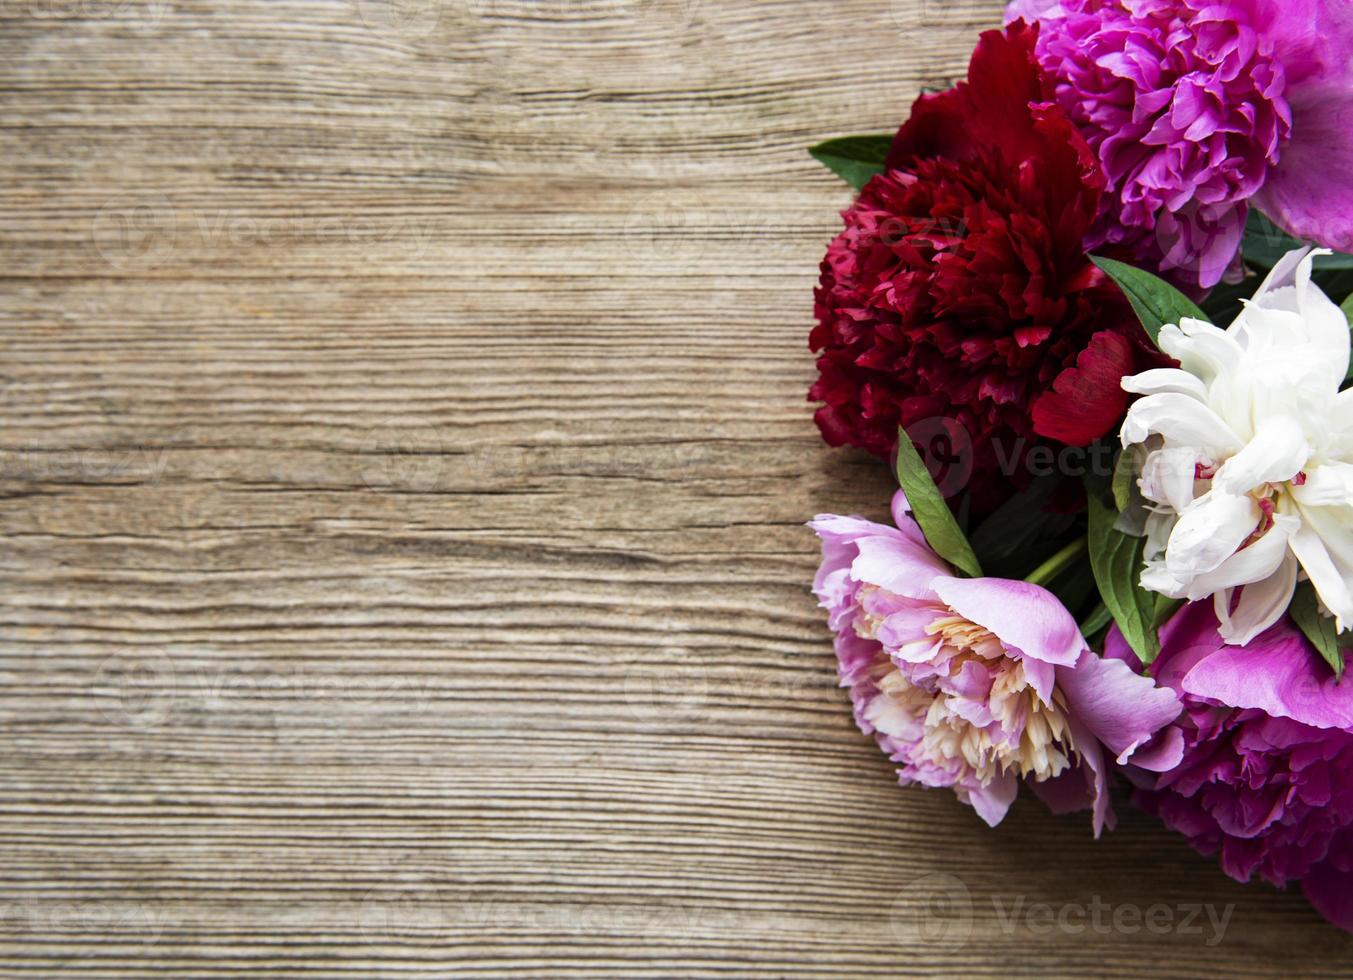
x,y
1059,562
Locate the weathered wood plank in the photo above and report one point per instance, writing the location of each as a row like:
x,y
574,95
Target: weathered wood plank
x,y
404,462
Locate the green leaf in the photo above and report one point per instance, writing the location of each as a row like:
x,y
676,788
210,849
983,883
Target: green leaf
x,y
1155,301
855,159
1348,312
1223,304
1265,245
1018,529
1096,621
1116,561
1319,629
931,512
1122,480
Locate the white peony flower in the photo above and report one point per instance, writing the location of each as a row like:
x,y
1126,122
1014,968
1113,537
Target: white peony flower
x,y
1248,469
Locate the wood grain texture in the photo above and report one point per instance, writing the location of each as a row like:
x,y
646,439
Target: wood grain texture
x,y
404,460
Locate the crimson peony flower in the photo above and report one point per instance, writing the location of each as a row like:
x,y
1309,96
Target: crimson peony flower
x,y
960,289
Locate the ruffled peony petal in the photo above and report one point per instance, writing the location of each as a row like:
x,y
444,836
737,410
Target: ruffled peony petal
x,y
898,564
1160,381
1278,673
1086,401
1330,890
1308,193
1123,709
1328,485
1262,603
1026,617
1324,546
1210,531
1256,561
1276,454
1180,419
993,801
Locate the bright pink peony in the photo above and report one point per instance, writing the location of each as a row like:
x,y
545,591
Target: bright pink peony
x,y
960,289
974,684
1266,779
1194,108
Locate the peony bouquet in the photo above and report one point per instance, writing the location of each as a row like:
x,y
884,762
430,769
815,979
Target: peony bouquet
x,y
1086,302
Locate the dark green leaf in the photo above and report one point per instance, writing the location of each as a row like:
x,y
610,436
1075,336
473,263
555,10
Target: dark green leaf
x,y
931,512
1123,475
1266,244
1319,629
1116,560
1155,300
1096,621
855,159
1222,305
1018,528
1348,312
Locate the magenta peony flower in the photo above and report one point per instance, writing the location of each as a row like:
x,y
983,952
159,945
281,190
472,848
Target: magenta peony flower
x,y
975,684
1196,107
1265,780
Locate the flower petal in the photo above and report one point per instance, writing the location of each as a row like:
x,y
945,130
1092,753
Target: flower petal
x,y
993,801
1327,888
1086,400
1123,709
1200,347
1327,485
897,564
1209,532
1261,604
1306,193
1159,381
1025,617
1276,454
1181,420
1254,563
1324,546
1279,673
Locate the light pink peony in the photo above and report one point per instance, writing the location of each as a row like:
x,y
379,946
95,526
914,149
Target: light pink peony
x,y
975,684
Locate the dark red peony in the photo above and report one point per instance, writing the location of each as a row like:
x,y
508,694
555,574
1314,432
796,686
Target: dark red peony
x,y
960,289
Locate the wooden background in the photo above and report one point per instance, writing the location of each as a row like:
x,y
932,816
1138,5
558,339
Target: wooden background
x,y
404,458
